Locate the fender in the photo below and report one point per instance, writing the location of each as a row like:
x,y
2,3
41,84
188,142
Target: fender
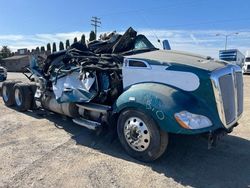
x,y
161,102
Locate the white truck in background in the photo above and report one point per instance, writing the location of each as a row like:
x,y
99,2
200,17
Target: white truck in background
x,y
246,67
233,56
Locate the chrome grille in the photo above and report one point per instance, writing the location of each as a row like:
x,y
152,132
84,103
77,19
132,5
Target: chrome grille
x,y
227,94
239,79
228,90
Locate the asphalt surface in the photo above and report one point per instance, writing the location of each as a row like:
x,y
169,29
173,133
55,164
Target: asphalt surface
x,y
38,149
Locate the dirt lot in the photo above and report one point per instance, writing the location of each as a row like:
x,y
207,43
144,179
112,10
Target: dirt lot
x,y
51,151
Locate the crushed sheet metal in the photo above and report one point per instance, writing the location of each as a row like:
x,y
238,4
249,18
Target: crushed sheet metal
x,y
71,84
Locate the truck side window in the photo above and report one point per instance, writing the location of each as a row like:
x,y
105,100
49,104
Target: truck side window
x,y
134,63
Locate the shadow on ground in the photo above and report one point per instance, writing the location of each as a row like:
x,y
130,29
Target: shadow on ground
x,y
187,161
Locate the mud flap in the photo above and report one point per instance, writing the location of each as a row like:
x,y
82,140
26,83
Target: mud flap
x,y
214,137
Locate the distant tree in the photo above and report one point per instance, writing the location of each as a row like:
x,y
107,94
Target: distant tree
x,y
75,39
61,46
92,36
37,49
54,47
12,53
67,45
5,52
83,39
42,49
49,47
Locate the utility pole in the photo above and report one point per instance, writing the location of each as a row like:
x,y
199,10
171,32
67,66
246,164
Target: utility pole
x,y
96,22
226,36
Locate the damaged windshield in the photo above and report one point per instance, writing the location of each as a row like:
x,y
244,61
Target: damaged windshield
x,y
141,45
141,42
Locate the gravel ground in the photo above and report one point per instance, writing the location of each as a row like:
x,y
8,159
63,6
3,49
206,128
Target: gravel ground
x,y
45,150
16,76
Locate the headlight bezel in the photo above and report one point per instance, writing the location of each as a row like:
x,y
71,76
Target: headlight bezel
x,y
191,121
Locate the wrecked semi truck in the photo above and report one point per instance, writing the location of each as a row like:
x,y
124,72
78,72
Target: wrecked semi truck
x,y
125,83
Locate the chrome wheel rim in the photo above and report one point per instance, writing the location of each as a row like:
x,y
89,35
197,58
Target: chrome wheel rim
x,y
5,94
18,97
137,134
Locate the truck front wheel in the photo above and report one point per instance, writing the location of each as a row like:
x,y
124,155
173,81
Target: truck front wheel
x,y
140,135
23,97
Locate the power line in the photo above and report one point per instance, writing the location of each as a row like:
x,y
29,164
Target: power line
x,y
190,3
155,35
154,9
96,22
140,12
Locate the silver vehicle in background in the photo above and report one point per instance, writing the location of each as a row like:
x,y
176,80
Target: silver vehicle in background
x,y
3,74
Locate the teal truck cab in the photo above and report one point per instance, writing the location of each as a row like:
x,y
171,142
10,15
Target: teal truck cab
x,y
149,94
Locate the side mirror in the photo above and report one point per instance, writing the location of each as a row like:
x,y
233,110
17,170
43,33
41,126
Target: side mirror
x,y
166,45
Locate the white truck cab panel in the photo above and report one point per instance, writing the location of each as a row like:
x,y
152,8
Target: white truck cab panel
x,y
246,67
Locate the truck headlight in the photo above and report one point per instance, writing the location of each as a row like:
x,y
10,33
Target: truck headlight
x,y
192,121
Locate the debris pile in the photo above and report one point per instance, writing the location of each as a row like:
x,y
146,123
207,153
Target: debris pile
x,y
86,73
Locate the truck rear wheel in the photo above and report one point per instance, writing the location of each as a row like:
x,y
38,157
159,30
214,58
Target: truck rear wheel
x,y
23,96
140,136
8,92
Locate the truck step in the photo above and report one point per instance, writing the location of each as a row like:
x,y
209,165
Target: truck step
x,y
95,107
87,123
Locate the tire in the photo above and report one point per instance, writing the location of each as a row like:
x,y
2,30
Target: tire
x,y
152,141
7,92
33,88
23,97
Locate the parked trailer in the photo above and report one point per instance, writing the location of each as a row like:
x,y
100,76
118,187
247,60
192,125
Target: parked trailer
x,y
143,93
233,56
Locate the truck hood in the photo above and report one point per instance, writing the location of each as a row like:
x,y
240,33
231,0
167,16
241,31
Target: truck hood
x,y
184,58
